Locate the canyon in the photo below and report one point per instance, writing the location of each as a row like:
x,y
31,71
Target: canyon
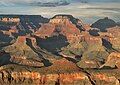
x,y
61,50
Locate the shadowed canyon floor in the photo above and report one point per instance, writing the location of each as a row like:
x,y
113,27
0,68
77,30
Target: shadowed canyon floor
x,y
58,51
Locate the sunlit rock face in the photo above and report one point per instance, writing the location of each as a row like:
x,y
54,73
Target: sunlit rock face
x,y
26,77
115,40
66,25
104,79
10,20
49,79
113,60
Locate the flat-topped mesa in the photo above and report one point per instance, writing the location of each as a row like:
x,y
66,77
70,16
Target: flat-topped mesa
x,y
67,20
60,19
64,19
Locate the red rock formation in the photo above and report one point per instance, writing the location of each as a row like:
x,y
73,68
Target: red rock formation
x,y
113,60
85,36
45,30
62,66
61,24
50,79
21,39
107,79
73,78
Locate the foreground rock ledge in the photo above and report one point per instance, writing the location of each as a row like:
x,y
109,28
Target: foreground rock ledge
x,y
49,79
102,77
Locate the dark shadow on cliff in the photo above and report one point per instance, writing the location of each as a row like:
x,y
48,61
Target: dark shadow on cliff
x,y
94,32
5,38
104,24
40,53
52,44
4,58
32,21
108,45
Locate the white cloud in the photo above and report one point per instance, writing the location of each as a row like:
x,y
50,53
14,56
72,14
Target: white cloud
x,y
22,1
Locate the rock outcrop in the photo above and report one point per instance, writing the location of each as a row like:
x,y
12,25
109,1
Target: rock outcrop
x,y
103,78
22,54
26,77
66,25
113,60
49,79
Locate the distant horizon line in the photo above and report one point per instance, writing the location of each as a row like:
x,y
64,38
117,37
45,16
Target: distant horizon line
x,y
41,15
